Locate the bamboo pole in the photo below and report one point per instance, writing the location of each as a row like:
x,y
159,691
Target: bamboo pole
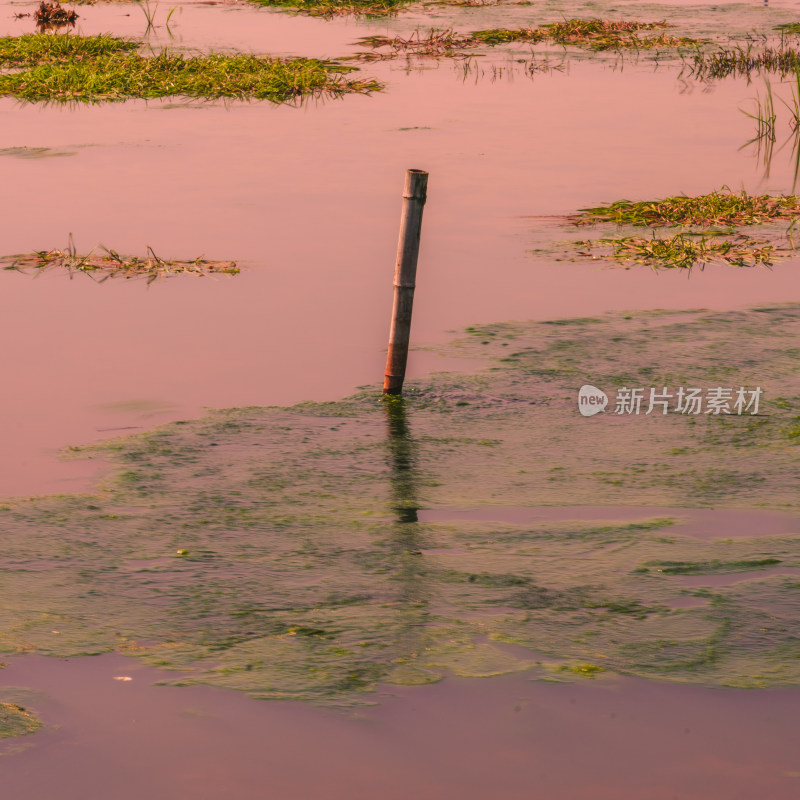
x,y
405,277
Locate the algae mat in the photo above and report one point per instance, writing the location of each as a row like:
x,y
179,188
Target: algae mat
x,y
280,551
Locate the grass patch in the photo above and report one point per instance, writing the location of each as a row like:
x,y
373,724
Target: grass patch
x,y
684,250
34,49
717,208
16,721
595,34
690,247
110,264
100,68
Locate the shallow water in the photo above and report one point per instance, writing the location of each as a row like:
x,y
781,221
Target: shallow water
x,y
502,737
307,201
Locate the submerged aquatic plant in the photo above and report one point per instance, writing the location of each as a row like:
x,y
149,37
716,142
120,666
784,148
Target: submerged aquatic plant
x,y
101,68
110,264
764,114
742,61
720,207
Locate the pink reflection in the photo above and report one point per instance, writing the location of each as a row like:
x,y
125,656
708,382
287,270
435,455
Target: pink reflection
x,y
307,201
506,738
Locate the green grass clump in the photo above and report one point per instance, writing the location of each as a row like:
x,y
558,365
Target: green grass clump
x,y
686,250
717,208
33,49
102,73
16,721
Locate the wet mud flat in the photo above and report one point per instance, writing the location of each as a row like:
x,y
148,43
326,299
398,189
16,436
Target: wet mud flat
x,y
508,737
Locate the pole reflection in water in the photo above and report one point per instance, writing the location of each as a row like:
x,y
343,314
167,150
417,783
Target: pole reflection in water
x,y
406,536
402,451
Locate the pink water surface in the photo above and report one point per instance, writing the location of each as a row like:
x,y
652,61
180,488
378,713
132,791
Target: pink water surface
x,y
307,201
501,737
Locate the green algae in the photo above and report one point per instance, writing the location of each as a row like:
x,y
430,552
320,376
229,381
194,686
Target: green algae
x,y
715,565
283,552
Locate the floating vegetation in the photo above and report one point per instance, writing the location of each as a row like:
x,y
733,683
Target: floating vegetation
x,y
693,246
434,43
282,551
54,15
16,721
721,207
330,8
595,34
63,67
683,250
599,34
110,264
